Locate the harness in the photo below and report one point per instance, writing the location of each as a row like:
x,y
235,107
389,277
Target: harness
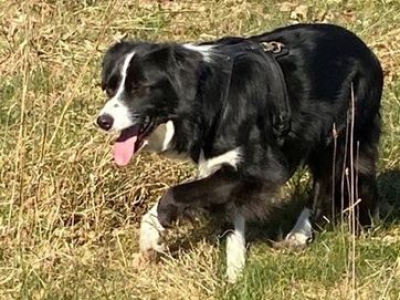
x,y
278,100
277,48
281,113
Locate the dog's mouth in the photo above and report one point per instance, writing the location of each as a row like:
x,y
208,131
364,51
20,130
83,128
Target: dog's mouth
x,y
131,141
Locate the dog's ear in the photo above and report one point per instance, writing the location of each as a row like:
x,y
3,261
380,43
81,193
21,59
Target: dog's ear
x,y
112,56
117,50
278,101
181,66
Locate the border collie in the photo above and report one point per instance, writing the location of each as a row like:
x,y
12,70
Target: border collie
x,y
248,115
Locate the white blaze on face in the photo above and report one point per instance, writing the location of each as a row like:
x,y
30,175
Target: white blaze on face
x,y
115,106
127,144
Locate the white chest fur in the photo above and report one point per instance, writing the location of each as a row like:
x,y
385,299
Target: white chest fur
x,y
160,141
209,166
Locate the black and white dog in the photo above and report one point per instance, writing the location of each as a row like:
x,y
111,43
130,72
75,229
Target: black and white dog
x,y
248,112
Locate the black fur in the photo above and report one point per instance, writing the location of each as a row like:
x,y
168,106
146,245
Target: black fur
x,y
238,100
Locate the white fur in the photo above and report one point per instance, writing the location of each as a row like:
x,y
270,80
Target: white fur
x,y
236,249
204,50
209,166
301,233
169,134
160,142
151,232
160,139
115,107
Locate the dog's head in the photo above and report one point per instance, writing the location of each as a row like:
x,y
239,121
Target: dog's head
x,y
147,85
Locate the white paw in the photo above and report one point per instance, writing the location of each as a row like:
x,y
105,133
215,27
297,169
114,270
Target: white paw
x,y
236,250
234,268
297,240
233,274
151,233
301,234
236,255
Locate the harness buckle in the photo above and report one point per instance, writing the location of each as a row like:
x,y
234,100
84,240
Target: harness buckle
x,y
274,47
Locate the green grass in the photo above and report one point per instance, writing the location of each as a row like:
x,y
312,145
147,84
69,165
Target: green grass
x,y
321,272
69,218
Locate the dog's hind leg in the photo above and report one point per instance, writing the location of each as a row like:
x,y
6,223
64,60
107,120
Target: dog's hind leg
x,y
301,234
366,196
332,178
236,249
317,207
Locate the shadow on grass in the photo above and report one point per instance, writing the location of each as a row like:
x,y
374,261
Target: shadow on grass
x,y
281,220
389,191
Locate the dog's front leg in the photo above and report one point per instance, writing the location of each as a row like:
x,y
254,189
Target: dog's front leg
x,y
201,193
236,249
205,193
193,194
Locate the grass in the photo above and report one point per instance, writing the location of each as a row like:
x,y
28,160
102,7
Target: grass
x,y
69,218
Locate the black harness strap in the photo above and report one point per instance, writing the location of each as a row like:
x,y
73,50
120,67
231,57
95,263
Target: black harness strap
x,y
279,106
278,99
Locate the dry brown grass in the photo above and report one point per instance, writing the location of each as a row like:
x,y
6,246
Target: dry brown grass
x,y
68,216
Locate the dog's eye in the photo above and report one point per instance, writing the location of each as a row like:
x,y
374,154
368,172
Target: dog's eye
x,y
140,88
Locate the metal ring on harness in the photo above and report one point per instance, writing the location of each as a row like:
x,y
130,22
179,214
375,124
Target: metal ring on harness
x,y
274,47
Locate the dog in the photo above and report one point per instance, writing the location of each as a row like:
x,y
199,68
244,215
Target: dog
x,y
249,112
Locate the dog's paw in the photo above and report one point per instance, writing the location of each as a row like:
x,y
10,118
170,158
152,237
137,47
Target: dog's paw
x,y
301,234
235,255
233,273
151,235
151,239
295,241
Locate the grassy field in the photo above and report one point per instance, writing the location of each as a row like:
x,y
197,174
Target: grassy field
x,y
69,217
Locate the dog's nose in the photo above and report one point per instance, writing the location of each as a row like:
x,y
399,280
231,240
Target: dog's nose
x,y
105,122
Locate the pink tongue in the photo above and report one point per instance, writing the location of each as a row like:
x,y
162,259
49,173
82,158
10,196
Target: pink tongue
x,y
124,150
